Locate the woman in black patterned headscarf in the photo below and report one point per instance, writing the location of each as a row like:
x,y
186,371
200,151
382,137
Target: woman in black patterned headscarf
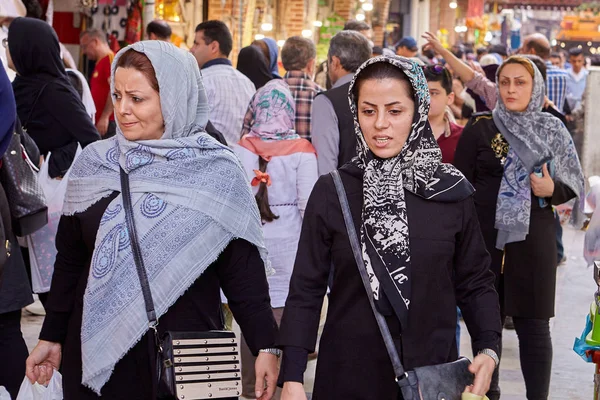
x,y
420,238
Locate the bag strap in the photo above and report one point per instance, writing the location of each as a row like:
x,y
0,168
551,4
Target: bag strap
x,y
401,375
137,253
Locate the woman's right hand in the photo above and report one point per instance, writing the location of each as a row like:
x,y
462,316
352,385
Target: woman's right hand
x,y
433,42
42,362
293,391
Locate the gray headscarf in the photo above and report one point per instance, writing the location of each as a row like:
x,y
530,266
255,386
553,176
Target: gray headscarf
x,y
535,138
190,196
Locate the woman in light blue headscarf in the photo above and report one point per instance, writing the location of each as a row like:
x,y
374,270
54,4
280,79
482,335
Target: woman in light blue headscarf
x,y
271,51
273,55
198,228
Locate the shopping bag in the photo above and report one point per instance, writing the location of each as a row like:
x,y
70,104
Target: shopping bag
x,y
591,246
41,244
4,395
35,391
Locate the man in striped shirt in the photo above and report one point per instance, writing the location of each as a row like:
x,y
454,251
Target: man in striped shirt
x,y
556,80
228,90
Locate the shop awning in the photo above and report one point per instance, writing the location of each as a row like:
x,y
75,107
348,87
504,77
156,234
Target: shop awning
x,y
536,4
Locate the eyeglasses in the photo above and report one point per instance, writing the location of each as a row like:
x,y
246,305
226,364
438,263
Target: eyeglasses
x,y
5,43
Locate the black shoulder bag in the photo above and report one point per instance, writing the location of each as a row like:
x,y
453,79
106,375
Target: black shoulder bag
x,y
433,382
26,198
189,365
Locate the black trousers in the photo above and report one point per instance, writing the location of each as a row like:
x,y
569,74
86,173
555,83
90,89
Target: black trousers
x,y
14,352
535,353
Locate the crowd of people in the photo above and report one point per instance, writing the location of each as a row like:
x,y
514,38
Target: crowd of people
x,y
447,161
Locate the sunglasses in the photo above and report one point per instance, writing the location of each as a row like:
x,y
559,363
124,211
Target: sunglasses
x,y
437,69
5,43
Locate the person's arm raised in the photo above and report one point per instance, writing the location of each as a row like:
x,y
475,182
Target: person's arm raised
x,y
461,70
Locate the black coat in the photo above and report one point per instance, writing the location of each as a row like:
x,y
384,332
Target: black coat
x,y
526,281
450,267
239,271
48,106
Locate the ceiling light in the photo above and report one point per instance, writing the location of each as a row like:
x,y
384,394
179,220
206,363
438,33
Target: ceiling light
x,y
267,27
367,6
280,43
318,24
360,17
453,5
307,33
259,36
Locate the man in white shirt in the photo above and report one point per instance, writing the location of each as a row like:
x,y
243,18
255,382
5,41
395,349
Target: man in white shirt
x,y
576,79
228,90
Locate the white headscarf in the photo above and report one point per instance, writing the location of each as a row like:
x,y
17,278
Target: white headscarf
x,y
86,97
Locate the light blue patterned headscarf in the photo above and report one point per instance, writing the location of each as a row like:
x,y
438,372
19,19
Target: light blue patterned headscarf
x,y
190,197
534,137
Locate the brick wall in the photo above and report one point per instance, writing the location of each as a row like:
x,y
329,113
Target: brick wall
x,y
443,17
228,11
345,8
382,8
294,22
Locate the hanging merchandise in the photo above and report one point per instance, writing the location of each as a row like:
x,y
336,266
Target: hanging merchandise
x,y
107,16
133,28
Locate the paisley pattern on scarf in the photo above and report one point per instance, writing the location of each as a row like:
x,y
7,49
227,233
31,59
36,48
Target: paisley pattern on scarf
x,y
418,169
190,198
534,138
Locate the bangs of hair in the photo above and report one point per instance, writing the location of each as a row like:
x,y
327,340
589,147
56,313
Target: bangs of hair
x,y
140,62
520,60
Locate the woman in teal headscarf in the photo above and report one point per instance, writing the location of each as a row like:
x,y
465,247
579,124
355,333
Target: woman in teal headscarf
x,y
198,228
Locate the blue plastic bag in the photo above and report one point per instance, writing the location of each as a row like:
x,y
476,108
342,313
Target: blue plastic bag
x,y
580,346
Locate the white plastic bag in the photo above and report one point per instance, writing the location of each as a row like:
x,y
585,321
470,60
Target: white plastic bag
x,y
53,391
4,395
41,243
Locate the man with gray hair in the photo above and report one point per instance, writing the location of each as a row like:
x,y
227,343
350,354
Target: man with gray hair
x,y
556,79
299,57
332,125
95,47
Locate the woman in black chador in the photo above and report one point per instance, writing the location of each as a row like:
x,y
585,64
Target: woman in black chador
x,y
421,244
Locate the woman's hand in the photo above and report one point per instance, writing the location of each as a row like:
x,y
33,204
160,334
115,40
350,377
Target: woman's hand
x,y
293,391
42,362
433,42
266,375
482,367
542,187
548,103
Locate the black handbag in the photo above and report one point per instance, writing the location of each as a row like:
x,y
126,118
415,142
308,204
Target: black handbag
x,y
433,382
189,365
26,198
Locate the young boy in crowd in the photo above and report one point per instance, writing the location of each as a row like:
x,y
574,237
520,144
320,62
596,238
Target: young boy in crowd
x,y
442,122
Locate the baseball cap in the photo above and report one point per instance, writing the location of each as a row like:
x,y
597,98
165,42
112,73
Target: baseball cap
x,y
409,42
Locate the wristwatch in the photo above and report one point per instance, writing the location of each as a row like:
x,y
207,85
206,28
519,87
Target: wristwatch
x,y
275,352
491,353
